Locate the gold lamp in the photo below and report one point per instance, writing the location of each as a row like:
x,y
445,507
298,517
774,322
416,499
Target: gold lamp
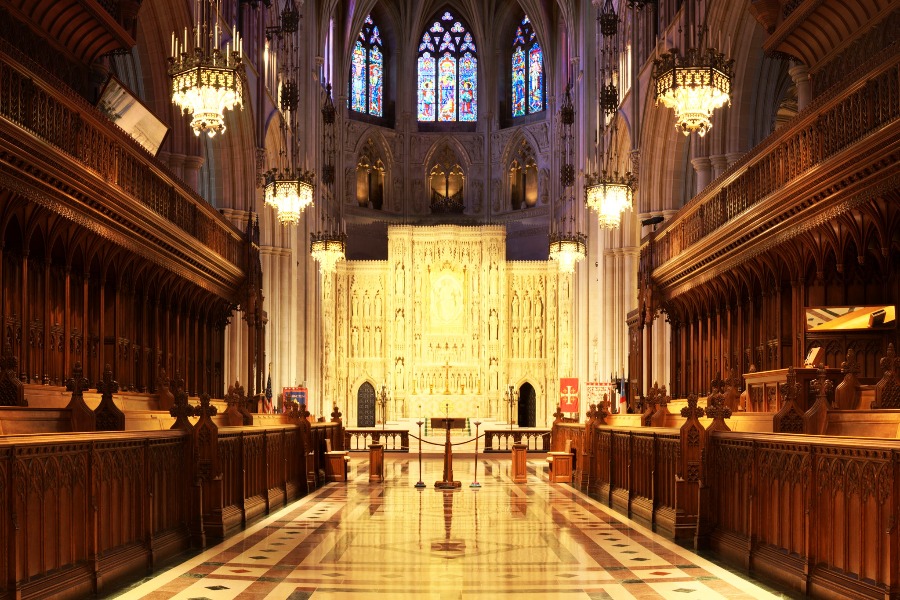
x,y
207,74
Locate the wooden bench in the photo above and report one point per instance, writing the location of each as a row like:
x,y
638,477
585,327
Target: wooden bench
x,y
560,464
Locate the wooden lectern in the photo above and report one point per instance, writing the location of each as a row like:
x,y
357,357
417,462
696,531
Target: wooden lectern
x,y
449,423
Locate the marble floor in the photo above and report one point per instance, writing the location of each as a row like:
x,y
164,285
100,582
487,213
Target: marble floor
x,y
391,540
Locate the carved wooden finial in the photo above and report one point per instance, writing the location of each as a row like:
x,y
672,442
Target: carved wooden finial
x,y
205,409
336,415
181,409
850,365
717,385
558,415
716,407
790,391
108,416
821,386
691,410
77,383
108,386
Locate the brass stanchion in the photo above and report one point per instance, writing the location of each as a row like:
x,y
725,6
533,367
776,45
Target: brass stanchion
x,y
420,483
475,483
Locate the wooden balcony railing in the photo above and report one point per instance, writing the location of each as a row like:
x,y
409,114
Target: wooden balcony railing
x,y
833,122
37,102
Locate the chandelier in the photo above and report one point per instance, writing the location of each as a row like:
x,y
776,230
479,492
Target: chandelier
x,y
289,192
693,83
207,76
329,245
607,192
609,195
567,246
568,249
289,189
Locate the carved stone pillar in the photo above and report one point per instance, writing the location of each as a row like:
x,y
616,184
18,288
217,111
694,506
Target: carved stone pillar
x,y
702,166
800,75
191,174
719,163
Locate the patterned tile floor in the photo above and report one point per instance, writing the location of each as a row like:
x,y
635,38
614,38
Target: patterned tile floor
x,y
390,540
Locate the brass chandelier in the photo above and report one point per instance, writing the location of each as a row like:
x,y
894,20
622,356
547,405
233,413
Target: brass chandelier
x,y
207,75
693,83
568,246
288,188
607,192
328,246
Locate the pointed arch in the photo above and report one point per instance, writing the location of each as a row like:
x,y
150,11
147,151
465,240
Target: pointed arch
x,y
447,71
445,176
527,77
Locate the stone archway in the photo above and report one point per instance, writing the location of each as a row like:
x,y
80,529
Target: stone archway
x,y
527,406
365,405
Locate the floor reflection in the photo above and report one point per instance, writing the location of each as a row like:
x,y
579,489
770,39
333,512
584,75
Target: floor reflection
x,y
392,540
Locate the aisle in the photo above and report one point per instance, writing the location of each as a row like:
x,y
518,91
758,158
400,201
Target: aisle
x,y
356,540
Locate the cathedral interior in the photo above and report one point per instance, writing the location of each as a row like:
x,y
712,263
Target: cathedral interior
x,y
247,243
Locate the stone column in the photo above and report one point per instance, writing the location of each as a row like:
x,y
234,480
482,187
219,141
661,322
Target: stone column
x,y
800,75
191,174
719,163
702,166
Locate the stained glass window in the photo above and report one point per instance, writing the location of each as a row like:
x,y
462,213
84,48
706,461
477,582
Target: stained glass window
x,y
527,73
447,72
367,71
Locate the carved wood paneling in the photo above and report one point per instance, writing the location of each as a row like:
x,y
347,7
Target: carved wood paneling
x,y
80,504
830,503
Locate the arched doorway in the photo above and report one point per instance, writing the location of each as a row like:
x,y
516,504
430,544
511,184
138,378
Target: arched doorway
x,y
365,405
527,403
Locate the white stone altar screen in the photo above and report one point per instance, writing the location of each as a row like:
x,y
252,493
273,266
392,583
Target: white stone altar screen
x,y
446,323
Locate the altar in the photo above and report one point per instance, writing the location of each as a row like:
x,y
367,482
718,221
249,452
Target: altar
x,y
445,325
434,405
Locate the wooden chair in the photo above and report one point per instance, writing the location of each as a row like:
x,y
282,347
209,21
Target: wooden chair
x,y
337,463
560,464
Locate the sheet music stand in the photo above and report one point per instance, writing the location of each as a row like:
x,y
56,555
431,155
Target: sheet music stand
x,y
449,423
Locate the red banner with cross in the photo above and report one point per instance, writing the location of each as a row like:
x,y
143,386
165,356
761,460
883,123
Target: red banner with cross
x,y
568,394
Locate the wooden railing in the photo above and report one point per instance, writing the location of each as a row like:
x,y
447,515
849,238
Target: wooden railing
x,y
394,440
832,123
36,101
815,513
502,440
85,512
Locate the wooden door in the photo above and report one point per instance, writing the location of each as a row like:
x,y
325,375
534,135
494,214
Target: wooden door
x,y
365,405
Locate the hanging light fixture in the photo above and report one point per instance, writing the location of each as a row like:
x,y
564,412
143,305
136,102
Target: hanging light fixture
x,y
288,188
207,76
607,192
567,245
694,83
328,246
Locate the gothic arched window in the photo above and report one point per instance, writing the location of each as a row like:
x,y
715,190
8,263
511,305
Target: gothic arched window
x,y
447,72
527,71
367,71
